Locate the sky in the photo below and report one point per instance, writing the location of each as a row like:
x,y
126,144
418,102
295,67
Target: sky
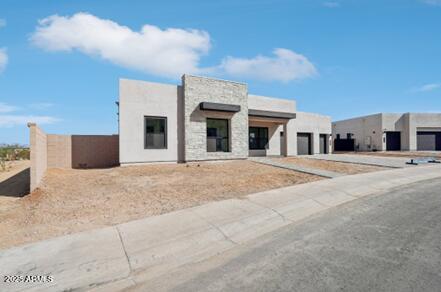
x,y
60,61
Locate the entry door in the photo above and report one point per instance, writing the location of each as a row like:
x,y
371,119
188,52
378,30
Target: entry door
x,y
393,141
282,143
323,144
429,141
303,143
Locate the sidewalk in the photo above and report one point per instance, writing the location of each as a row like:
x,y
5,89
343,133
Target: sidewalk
x,y
115,257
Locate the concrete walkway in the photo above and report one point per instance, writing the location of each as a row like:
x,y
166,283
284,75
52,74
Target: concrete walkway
x,y
394,162
117,257
293,166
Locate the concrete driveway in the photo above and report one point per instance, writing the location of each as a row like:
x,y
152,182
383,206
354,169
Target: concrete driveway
x,y
389,242
395,162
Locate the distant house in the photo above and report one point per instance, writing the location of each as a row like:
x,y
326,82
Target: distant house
x,y
388,132
210,119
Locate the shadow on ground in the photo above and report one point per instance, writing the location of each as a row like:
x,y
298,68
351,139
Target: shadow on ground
x,y
17,185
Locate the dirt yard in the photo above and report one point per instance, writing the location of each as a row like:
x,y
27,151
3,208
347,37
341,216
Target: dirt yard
x,y
14,180
341,167
13,167
70,200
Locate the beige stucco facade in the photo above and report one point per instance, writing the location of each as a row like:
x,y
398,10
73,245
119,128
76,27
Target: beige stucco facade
x,y
370,132
186,120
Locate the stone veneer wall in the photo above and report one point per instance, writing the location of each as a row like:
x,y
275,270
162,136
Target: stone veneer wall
x,y
200,89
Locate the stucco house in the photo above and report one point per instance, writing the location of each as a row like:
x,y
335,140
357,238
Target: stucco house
x,y
210,119
390,131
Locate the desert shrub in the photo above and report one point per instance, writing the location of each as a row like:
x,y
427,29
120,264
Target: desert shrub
x,y
2,164
23,154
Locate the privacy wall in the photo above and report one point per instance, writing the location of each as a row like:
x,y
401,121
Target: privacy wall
x,y
70,151
38,145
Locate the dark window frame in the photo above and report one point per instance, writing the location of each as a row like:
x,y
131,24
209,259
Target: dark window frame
x,y
259,143
165,132
228,150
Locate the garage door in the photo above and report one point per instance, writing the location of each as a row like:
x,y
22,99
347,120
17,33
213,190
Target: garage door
x,y
323,144
303,143
428,141
393,141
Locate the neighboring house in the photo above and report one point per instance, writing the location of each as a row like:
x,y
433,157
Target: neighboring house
x,y
209,119
387,132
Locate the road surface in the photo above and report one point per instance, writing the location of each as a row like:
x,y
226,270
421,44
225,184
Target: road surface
x,y
387,242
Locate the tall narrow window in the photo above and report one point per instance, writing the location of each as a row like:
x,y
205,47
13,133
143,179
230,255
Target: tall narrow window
x,y
218,135
155,133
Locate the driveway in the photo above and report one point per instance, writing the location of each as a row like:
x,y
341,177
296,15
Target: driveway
x,y
388,242
395,162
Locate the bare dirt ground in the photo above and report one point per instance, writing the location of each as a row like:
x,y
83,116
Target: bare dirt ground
x,y
13,167
341,167
71,200
14,181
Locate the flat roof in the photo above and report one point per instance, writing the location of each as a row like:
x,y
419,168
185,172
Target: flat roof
x,y
271,114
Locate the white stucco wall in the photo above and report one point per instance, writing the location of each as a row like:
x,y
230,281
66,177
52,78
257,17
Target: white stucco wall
x,y
274,144
309,123
258,102
136,100
421,122
408,124
367,131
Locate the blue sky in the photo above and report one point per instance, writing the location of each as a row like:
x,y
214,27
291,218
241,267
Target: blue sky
x,y
60,61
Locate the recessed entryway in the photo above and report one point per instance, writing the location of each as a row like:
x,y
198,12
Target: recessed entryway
x,y
323,144
393,141
304,144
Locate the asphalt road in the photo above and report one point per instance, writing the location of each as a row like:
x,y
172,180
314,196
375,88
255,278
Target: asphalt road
x,y
387,242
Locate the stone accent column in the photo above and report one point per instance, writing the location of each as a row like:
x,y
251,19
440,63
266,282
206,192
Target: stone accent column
x,y
201,89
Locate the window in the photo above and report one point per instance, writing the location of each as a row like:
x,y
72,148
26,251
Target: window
x,y
155,133
258,138
218,135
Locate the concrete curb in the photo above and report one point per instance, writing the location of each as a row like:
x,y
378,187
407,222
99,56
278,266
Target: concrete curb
x,y
117,257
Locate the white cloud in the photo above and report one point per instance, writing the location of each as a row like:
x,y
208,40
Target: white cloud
x,y
170,52
432,2
2,22
331,4
6,108
3,59
10,120
285,66
428,87
7,121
